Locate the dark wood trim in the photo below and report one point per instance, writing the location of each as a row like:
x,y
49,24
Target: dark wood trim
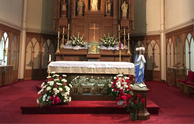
x,y
180,31
10,29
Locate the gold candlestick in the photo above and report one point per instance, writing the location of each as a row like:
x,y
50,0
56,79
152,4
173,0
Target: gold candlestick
x,y
128,52
63,39
119,44
68,29
124,40
58,51
128,44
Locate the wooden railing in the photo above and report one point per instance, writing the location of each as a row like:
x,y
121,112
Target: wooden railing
x,y
6,75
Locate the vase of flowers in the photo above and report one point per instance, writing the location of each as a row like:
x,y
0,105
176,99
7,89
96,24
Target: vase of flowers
x,y
133,104
133,114
119,88
54,91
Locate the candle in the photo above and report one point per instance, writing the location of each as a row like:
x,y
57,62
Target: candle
x,y
124,31
63,30
49,57
128,35
119,45
68,26
58,34
119,27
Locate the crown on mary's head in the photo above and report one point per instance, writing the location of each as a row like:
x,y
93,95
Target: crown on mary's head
x,y
140,48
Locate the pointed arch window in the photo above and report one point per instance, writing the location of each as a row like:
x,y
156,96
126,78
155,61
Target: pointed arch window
x,y
4,48
189,52
178,52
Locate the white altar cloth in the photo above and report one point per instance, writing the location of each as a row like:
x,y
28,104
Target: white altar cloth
x,y
90,67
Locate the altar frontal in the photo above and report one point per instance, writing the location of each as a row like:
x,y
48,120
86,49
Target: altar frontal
x,y
89,67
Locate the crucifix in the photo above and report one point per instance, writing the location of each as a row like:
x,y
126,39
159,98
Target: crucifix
x,y
94,28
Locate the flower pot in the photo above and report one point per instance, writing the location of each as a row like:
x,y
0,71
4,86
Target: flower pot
x,y
133,114
120,102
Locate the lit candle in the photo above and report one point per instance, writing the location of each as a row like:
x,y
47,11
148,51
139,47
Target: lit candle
x,y
63,30
128,35
49,57
58,33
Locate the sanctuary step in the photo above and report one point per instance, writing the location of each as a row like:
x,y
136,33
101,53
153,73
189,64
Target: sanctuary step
x,y
83,107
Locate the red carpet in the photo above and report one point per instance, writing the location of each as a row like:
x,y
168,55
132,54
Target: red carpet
x,y
174,107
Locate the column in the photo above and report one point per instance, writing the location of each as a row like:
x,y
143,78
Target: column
x,y
163,42
74,9
22,43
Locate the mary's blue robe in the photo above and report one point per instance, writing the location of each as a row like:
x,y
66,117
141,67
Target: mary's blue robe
x,y
139,69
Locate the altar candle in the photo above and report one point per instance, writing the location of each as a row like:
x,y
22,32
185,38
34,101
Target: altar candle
x,y
58,34
124,31
49,57
119,27
119,45
63,30
68,26
128,35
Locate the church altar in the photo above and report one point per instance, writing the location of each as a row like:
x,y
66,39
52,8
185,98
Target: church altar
x,y
91,67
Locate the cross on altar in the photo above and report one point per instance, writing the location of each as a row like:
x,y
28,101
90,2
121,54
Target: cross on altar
x,y
94,28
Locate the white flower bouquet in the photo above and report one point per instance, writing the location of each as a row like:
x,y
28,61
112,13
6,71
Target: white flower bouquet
x,y
54,91
109,41
77,41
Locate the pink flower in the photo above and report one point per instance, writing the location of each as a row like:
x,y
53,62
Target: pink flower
x,y
55,100
138,95
142,100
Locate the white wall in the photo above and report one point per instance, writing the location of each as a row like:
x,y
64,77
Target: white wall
x,y
11,12
40,16
34,15
178,12
153,16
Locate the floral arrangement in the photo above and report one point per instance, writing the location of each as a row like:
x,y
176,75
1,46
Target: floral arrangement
x,y
133,102
54,91
77,41
109,41
120,87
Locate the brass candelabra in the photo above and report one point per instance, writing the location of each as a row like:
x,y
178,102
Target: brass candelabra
x,y
119,44
58,51
128,52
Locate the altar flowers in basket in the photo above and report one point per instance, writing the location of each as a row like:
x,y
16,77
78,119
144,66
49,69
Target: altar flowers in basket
x,y
54,91
120,88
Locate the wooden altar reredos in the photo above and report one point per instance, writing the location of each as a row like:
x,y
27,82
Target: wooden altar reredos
x,y
94,23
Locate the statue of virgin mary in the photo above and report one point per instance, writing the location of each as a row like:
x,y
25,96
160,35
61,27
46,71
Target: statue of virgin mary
x,y
139,67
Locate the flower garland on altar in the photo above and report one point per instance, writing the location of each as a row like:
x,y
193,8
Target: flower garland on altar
x,y
109,41
77,41
54,91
